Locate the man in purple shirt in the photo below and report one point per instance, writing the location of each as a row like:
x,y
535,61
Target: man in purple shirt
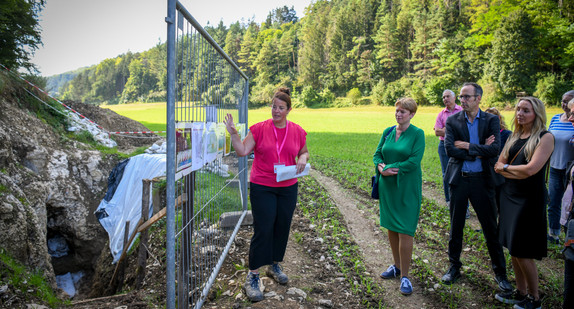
x,y
451,108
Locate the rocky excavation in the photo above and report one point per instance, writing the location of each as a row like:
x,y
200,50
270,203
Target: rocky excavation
x,y
50,186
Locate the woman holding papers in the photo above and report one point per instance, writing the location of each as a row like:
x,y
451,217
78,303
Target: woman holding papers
x,y
398,167
276,143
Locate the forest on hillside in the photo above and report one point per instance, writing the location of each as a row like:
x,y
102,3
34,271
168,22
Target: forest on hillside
x,y
373,51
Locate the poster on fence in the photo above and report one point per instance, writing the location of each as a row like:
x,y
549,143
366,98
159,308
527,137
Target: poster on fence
x,y
211,143
240,127
227,143
220,139
183,147
197,145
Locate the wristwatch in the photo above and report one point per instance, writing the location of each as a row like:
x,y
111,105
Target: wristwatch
x,y
505,167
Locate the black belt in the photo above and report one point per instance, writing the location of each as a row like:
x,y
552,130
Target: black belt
x,y
472,174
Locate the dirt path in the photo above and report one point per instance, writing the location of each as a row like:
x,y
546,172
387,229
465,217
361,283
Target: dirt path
x,y
364,228
315,279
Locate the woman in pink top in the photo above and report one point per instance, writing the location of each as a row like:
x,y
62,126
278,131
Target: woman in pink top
x,y
275,142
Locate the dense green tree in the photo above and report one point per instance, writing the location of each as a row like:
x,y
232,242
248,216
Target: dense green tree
x,y
287,46
218,33
513,57
104,87
140,82
382,47
19,32
233,41
312,49
390,49
280,16
352,20
79,88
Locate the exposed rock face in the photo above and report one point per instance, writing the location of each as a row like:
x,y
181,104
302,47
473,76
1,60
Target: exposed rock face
x,y
50,186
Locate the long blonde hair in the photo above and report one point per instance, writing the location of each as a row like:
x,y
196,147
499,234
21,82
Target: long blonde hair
x,y
538,126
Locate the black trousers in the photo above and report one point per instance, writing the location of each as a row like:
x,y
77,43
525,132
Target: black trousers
x,y
480,191
272,209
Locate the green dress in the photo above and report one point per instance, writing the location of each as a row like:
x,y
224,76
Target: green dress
x,y
401,195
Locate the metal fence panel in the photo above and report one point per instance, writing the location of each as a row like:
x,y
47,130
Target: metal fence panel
x,y
206,184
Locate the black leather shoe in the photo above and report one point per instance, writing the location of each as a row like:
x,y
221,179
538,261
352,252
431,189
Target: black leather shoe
x,y
503,283
451,276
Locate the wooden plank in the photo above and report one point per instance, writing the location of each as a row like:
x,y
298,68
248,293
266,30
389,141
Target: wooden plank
x,y
180,200
139,227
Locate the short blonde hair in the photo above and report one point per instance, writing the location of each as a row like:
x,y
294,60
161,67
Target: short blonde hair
x,y
408,104
571,103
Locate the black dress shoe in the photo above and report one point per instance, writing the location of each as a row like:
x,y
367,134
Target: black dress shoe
x,y
451,276
503,283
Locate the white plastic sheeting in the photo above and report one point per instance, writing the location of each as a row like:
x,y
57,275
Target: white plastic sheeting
x,y
84,124
68,282
126,204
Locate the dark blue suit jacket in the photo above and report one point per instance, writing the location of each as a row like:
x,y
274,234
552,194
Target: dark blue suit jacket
x,y
456,130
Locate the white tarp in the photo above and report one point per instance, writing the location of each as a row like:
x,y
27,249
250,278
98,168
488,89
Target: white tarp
x,y
68,282
126,204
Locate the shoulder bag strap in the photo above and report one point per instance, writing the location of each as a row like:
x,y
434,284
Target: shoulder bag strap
x,y
389,132
516,155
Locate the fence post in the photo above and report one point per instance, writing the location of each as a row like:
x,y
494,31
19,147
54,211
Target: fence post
x,y
170,156
122,264
142,252
243,162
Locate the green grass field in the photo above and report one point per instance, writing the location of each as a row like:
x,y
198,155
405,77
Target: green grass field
x,y
341,141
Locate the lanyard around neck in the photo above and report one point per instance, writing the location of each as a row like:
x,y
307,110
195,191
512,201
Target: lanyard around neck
x,y
279,148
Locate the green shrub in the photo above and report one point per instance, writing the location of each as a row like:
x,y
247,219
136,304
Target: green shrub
x,y
261,95
365,101
434,89
379,91
327,97
393,91
550,88
354,95
310,97
417,92
157,96
492,96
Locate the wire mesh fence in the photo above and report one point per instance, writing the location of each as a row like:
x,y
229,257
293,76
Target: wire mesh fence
x,y
206,182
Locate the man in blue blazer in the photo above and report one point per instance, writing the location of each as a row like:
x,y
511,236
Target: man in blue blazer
x,y
472,142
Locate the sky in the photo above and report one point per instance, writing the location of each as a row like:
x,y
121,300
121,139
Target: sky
x,y
79,33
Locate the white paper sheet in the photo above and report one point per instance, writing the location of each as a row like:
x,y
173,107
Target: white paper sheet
x,y
290,172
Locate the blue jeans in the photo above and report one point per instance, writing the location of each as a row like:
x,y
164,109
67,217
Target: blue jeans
x,y
556,191
443,163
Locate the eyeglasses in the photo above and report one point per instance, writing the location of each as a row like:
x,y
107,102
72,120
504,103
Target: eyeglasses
x,y
466,96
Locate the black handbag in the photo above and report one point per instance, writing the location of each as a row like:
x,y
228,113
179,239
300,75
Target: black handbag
x,y
569,241
375,179
375,187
